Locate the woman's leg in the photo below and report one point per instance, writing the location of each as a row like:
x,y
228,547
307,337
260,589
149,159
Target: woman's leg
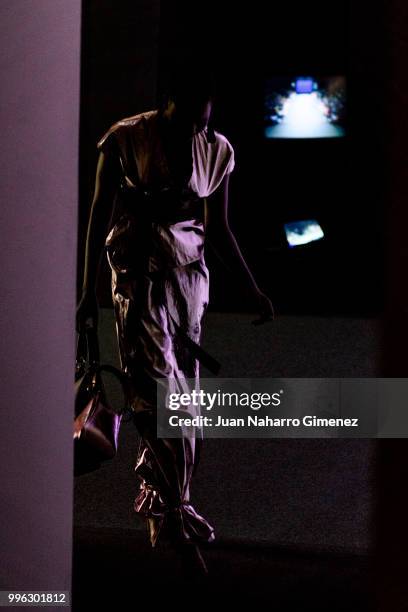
x,y
150,350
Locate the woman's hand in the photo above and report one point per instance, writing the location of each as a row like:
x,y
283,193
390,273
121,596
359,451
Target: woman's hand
x,y
265,308
87,311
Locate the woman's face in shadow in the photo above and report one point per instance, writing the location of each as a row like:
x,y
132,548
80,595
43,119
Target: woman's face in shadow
x,y
190,115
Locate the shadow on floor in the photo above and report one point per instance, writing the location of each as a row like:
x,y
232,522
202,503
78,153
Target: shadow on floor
x,y
117,567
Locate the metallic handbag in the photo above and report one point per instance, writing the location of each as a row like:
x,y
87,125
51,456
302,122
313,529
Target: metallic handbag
x,y
96,422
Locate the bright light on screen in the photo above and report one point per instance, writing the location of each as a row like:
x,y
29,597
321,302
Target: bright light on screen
x,y
305,107
302,232
304,86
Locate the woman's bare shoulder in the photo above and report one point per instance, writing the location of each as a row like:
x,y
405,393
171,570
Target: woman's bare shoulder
x,y
222,142
122,125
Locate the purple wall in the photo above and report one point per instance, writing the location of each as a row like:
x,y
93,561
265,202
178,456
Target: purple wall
x,y
40,47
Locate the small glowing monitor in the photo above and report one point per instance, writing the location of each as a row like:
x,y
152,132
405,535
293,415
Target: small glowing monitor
x,y
302,232
304,86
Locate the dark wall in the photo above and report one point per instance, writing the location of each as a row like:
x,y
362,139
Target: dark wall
x,y
339,182
392,504
118,79
126,56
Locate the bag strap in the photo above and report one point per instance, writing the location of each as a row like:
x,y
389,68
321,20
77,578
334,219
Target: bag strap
x,y
124,381
88,352
88,346
196,350
121,376
93,345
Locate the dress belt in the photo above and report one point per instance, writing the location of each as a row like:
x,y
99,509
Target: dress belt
x,y
165,206
197,351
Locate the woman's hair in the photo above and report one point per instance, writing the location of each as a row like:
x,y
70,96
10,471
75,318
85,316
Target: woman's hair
x,y
190,81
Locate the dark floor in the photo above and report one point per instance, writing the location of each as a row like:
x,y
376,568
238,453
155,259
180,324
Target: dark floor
x,y
269,488
117,568
292,517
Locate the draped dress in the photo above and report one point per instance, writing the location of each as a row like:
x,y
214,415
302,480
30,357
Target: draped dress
x,y
160,291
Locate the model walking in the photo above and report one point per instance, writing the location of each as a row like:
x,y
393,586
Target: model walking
x,y
167,172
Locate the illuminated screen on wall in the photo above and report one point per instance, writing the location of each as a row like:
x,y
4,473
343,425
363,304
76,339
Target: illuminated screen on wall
x,y
305,107
302,232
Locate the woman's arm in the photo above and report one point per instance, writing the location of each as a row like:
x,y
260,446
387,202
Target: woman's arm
x,y
224,243
106,183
